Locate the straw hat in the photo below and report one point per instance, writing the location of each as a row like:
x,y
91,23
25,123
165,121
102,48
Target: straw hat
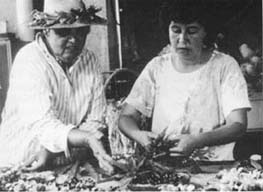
x,y
65,14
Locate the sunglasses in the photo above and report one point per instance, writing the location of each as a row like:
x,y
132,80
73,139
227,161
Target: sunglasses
x,y
66,32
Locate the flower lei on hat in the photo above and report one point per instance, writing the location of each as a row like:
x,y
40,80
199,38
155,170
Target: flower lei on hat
x,y
88,16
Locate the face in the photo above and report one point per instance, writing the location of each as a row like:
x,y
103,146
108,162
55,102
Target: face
x,y
67,43
187,39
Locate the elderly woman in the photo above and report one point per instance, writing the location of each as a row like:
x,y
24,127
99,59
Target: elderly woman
x,y
196,94
55,100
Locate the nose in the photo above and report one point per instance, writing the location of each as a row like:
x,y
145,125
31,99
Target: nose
x,y
183,37
74,36
72,39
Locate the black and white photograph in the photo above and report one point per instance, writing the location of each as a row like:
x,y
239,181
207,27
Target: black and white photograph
x,y
131,95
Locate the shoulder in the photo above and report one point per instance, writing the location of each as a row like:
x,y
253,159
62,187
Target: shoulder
x,y
89,54
28,51
226,66
223,59
89,58
222,62
28,57
158,63
89,61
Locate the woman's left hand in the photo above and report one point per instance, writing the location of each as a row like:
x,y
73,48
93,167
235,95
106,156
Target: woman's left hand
x,y
184,145
99,152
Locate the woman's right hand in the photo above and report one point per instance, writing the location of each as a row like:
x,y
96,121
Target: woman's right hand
x,y
39,160
145,138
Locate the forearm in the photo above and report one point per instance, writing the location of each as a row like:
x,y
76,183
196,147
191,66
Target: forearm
x,y
78,138
129,127
222,135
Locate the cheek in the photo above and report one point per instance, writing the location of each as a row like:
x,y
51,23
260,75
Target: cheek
x,y
81,44
61,43
199,38
173,38
197,41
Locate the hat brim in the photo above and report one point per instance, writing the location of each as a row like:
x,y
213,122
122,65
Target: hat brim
x,y
74,19
72,25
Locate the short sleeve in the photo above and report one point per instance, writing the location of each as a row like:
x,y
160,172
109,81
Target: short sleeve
x,y
233,88
142,95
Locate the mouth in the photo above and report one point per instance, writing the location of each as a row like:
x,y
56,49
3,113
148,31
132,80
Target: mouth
x,y
182,49
72,49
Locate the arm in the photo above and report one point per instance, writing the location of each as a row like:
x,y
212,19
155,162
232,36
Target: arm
x,y
92,131
235,105
30,101
235,127
129,125
94,120
140,101
33,97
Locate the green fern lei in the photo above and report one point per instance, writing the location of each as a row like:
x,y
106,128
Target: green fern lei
x,y
82,16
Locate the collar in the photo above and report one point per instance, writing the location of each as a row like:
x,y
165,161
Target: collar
x,y
40,40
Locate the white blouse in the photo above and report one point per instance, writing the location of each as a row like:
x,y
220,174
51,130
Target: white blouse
x,y
44,103
192,102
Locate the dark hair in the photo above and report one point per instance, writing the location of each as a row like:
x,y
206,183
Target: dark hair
x,y
189,11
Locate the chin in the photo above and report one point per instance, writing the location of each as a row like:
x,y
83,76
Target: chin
x,y
184,54
69,58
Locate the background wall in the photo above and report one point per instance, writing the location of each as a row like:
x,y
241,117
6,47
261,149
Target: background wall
x,y
97,40
8,13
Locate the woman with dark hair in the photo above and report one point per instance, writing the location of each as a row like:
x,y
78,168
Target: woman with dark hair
x,y
194,93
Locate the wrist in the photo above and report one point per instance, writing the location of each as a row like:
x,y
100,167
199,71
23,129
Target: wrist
x,y
135,135
77,138
199,141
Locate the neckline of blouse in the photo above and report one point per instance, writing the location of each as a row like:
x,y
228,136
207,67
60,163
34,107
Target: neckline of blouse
x,y
52,59
192,72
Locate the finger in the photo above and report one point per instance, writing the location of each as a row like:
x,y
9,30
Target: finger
x,y
152,135
35,166
176,150
105,165
29,161
107,157
177,155
173,137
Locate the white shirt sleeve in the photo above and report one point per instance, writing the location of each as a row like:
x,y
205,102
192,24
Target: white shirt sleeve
x,y
233,88
142,95
30,91
95,118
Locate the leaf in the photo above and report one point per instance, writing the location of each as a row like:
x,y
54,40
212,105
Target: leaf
x,y
120,166
91,171
255,164
61,179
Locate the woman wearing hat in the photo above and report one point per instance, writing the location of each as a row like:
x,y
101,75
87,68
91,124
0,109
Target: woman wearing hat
x,y
55,100
195,94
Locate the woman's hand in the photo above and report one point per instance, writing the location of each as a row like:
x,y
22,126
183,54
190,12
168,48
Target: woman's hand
x,y
39,160
184,144
145,138
80,138
99,152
